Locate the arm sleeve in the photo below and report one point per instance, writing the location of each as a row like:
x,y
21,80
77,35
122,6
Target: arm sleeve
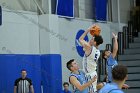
x,y
30,81
16,82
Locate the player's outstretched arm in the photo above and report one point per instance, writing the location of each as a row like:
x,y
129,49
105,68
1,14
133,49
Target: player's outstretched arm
x,y
115,46
77,84
82,41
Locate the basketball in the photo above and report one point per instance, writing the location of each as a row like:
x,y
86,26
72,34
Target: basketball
x,y
95,30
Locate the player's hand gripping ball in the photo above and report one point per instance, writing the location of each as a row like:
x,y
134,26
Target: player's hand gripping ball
x,y
95,30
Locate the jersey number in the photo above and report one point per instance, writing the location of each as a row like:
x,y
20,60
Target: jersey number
x,y
95,59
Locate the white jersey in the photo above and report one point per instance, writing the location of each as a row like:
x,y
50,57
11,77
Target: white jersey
x,y
90,61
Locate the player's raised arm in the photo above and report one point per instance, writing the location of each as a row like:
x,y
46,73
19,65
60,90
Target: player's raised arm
x,y
115,46
82,41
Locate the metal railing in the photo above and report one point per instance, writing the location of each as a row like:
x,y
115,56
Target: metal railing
x,y
120,43
125,37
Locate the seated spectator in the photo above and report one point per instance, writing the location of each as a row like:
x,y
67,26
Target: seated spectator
x,y
66,88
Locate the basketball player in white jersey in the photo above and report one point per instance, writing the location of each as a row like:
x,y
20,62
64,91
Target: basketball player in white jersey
x,y
92,53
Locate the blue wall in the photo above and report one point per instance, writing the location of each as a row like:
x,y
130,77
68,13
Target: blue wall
x,y
11,66
52,73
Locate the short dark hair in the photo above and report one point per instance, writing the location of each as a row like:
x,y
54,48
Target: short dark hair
x,y
23,70
69,64
65,83
119,72
98,40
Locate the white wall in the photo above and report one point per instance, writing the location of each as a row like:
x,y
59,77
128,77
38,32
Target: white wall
x,y
125,7
26,5
49,34
18,34
86,9
121,10
115,11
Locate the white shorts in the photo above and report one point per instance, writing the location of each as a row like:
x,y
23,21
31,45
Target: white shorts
x,y
89,76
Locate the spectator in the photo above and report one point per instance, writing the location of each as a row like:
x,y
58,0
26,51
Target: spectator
x,y
66,88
